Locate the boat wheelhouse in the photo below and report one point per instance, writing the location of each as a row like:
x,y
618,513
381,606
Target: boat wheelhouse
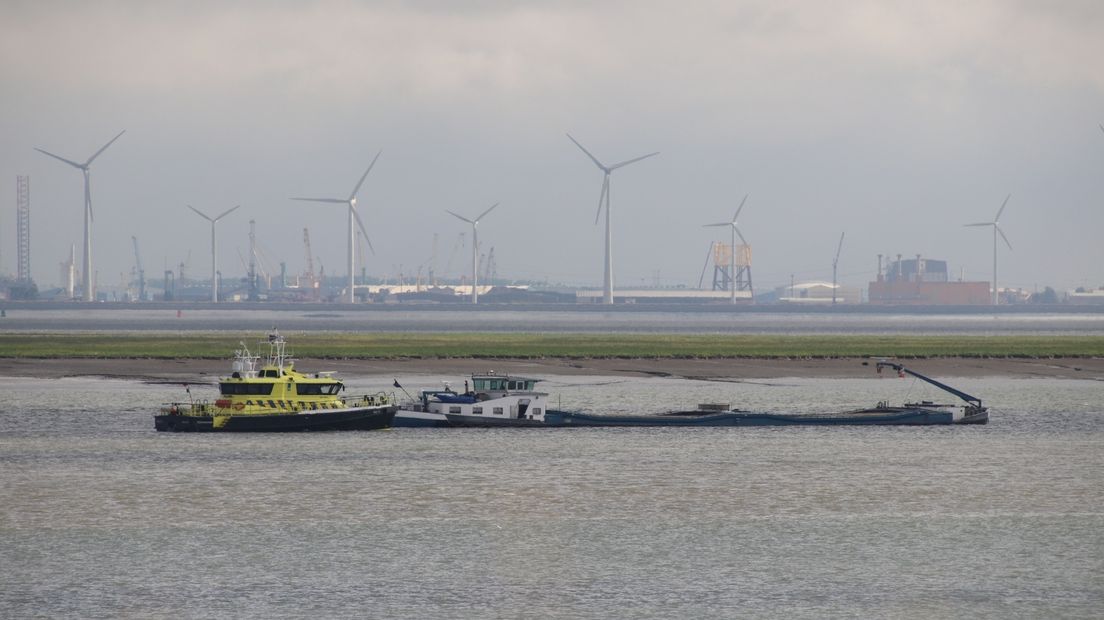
x,y
490,399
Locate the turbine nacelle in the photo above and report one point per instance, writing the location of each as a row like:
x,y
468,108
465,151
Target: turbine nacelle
x,y
733,224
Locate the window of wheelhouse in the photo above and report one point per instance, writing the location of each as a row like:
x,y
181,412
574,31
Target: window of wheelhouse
x,y
259,389
317,389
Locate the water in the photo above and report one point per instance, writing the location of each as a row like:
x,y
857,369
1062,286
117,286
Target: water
x,y
102,517
574,319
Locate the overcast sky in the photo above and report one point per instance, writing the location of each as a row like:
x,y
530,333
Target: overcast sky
x,y
897,122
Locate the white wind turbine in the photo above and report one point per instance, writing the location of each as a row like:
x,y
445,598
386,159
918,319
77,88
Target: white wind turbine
x,y
605,196
86,275
735,231
354,221
214,249
996,230
475,249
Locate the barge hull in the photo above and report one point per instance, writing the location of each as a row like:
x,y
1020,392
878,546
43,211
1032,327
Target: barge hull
x,y
876,417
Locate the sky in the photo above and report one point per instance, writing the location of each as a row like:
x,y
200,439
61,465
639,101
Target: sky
x,y
895,122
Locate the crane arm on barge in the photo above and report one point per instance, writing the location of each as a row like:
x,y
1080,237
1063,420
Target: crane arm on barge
x,y
972,400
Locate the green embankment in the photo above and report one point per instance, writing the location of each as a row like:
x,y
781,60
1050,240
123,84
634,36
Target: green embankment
x,y
520,345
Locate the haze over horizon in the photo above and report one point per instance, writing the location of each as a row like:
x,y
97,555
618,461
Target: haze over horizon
x,y
896,122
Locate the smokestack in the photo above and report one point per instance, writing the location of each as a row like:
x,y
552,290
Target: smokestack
x,y
919,269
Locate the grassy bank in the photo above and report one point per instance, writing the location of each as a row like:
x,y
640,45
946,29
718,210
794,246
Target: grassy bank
x,y
515,345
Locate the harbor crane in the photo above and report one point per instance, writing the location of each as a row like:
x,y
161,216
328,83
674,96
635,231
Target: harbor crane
x,y
141,273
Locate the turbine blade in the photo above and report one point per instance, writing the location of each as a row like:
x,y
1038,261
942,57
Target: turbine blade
x,y
201,213
980,224
363,230
486,212
717,224
71,163
103,148
1006,241
632,161
327,200
602,197
365,175
592,158
739,208
459,216
1101,127
1001,210
741,236
225,213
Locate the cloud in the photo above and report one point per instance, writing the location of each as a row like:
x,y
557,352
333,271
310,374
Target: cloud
x,y
874,111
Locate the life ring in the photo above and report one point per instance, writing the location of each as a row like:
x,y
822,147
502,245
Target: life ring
x,y
239,406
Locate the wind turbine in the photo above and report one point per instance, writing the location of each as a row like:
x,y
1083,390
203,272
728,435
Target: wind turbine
x,y
996,229
354,217
86,275
605,196
475,248
732,255
214,253
835,263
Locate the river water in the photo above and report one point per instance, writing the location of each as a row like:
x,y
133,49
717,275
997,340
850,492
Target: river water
x,y
575,319
100,516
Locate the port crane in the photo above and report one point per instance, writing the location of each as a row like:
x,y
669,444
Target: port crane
x,y
140,273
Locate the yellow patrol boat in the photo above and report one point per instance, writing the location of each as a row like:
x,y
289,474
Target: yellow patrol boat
x,y
275,397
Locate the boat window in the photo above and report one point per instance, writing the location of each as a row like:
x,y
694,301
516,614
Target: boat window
x,y
498,411
257,389
454,410
511,385
479,384
536,411
315,389
477,410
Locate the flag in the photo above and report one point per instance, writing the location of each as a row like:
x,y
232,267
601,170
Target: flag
x,y
397,384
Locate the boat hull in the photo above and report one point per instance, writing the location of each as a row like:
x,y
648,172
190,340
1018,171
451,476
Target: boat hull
x,y
353,419
887,416
406,418
476,421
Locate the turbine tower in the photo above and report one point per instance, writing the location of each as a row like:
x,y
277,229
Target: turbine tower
x,y
475,249
735,231
214,253
354,221
996,230
86,275
605,196
835,263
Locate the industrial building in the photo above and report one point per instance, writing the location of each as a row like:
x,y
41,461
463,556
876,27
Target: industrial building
x,y
817,293
923,282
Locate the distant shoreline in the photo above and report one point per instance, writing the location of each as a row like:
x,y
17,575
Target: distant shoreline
x,y
723,369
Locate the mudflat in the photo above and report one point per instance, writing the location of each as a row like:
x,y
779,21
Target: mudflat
x,y
194,370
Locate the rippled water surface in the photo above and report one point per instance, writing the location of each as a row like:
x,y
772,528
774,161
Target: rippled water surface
x,y
102,517
574,319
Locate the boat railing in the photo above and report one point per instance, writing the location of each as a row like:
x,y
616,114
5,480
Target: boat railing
x,y
379,399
